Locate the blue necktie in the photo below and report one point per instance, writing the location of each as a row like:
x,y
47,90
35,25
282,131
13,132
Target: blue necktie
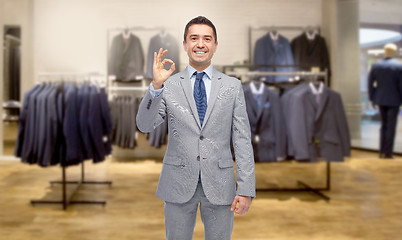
x,y
200,96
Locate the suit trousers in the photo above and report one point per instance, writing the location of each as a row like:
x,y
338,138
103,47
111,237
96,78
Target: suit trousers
x,y
180,218
389,117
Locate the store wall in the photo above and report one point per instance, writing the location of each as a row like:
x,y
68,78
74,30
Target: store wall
x,y
385,11
70,36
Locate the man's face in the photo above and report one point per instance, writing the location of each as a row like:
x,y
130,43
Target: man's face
x,y
200,46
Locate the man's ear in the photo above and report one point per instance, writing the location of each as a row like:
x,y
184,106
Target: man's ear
x,y
185,46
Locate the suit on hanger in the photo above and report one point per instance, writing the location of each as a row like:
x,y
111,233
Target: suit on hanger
x,y
270,52
266,122
385,90
310,53
318,129
165,42
126,58
196,151
23,129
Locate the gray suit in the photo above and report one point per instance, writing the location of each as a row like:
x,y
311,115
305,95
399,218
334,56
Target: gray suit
x,y
323,122
195,151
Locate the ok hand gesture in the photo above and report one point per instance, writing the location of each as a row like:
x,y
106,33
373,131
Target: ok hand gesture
x,y
159,72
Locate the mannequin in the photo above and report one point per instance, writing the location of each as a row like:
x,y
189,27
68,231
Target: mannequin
x,y
385,90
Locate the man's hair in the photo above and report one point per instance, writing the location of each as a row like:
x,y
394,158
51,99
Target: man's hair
x,y
200,20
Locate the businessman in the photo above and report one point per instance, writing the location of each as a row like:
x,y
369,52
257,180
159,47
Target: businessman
x,y
206,111
385,90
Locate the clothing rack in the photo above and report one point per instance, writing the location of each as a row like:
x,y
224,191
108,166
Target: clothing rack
x,y
252,29
67,200
323,74
303,187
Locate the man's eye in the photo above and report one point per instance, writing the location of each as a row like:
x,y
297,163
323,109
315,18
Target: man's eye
x,y
193,39
208,39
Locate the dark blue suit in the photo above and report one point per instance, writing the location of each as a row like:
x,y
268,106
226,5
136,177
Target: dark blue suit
x,y
270,52
266,121
95,126
387,94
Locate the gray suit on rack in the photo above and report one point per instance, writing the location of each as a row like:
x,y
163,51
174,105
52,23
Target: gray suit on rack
x,y
196,151
313,122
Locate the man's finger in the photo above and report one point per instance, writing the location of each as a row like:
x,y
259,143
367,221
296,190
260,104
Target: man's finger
x,y
167,61
159,55
154,58
172,68
233,207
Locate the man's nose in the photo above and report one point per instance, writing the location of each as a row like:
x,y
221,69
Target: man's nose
x,y
200,43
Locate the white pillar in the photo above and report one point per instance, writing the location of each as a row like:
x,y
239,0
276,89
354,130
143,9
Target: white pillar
x,y
341,29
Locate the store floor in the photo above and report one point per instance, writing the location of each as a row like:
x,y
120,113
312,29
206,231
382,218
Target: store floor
x,y
366,202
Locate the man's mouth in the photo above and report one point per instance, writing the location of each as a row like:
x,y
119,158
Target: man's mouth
x,y
200,52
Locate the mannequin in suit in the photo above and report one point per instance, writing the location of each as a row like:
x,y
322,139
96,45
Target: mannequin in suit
x,y
385,90
206,112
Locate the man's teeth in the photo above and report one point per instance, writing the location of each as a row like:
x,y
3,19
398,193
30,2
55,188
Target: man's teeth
x,y
200,52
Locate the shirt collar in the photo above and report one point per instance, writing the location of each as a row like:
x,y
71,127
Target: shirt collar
x,y
315,90
208,71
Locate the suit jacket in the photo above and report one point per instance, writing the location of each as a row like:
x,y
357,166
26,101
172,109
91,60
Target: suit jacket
x,y
266,121
324,123
270,52
310,53
71,127
196,151
126,60
387,73
165,42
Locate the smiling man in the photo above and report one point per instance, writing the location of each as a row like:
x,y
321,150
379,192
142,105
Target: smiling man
x,y
206,111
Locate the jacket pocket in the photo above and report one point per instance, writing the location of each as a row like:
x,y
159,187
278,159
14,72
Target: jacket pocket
x,y
173,160
331,139
226,163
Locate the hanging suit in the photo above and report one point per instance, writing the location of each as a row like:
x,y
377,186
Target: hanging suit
x,y
266,122
165,42
270,52
310,53
323,123
126,59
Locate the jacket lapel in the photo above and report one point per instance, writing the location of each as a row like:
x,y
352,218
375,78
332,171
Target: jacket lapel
x,y
186,85
263,99
248,95
215,86
322,103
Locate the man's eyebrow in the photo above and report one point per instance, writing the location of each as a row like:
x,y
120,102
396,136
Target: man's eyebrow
x,y
197,35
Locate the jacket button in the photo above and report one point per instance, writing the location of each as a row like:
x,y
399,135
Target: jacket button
x,y
201,137
198,158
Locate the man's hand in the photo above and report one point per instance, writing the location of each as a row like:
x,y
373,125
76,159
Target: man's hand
x,y
244,204
161,74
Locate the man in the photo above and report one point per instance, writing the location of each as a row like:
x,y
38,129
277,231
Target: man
x,y
385,90
205,110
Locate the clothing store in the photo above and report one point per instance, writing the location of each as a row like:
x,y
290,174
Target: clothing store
x,y
288,130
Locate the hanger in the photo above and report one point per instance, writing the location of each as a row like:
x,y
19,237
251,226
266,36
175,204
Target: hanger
x,y
126,33
163,33
273,33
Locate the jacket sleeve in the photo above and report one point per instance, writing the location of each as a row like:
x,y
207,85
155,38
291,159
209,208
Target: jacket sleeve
x,y
371,88
280,133
151,113
241,139
342,126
